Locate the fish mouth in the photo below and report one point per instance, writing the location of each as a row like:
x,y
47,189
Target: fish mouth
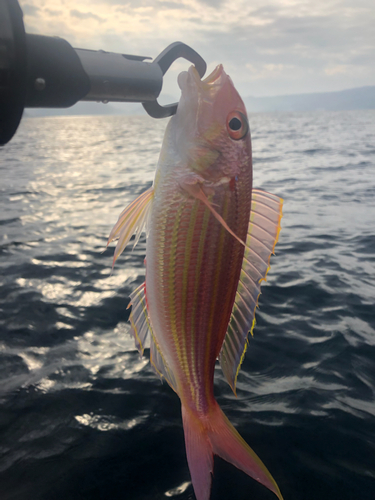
x,y
215,75
211,79
210,84
197,94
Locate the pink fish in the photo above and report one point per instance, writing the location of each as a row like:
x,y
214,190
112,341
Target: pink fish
x,y
210,237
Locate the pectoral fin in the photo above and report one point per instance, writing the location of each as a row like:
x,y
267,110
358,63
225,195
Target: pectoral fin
x,y
194,189
262,236
131,220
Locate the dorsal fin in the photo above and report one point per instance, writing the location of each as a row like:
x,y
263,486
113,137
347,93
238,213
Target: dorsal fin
x,y
141,328
262,236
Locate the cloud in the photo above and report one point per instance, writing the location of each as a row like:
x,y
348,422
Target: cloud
x,y
339,68
269,47
263,71
53,13
86,15
30,10
173,5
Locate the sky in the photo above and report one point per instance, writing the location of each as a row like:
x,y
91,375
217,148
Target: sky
x,y
267,47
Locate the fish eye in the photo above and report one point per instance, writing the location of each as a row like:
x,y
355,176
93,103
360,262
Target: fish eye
x,y
237,125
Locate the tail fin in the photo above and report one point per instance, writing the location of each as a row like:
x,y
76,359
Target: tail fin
x,y
216,435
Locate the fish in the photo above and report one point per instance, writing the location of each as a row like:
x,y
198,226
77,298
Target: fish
x,y
209,240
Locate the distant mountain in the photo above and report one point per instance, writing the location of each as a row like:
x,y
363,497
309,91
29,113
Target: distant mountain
x,y
358,98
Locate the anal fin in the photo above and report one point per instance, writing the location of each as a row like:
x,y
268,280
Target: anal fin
x,y
139,320
159,364
141,329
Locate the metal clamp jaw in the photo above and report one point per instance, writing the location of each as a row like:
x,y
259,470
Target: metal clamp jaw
x,y
164,61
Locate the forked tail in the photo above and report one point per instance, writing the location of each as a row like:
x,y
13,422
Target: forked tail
x,y
215,435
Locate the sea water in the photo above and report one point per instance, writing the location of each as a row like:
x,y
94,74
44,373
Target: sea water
x,y
83,416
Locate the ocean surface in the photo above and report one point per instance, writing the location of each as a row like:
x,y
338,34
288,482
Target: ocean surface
x,y
82,416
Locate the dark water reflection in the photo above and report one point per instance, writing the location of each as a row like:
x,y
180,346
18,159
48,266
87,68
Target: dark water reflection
x,y
83,417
